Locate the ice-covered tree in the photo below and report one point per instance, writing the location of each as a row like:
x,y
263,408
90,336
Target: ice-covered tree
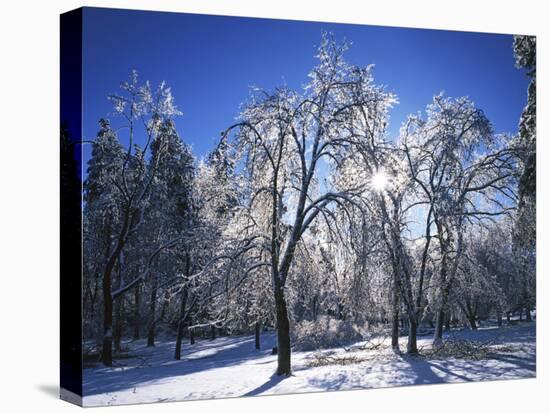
x,y
465,173
525,52
293,140
525,233
141,108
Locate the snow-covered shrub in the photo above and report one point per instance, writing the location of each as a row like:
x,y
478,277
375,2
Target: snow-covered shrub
x,y
325,332
467,349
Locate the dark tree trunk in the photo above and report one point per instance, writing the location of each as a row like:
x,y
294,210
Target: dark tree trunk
x,y
470,312
395,312
107,351
411,343
112,257
136,312
283,333
151,334
438,334
152,316
181,323
448,321
395,330
499,317
190,330
440,320
212,332
445,290
91,293
257,335
520,314
177,350
117,332
528,314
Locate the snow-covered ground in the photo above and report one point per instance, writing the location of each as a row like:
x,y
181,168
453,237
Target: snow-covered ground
x,y
231,367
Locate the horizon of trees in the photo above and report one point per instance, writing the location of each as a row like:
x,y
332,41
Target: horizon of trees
x,y
308,211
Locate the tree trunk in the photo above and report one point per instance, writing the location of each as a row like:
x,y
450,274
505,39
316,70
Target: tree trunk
x,y
520,314
499,316
448,321
136,312
112,257
190,331
283,333
440,321
395,330
395,313
181,323
470,312
117,332
528,313
472,322
257,335
445,290
508,317
212,332
411,343
438,334
107,351
152,316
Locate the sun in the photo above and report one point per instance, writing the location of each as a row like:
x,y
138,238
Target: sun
x,y
379,181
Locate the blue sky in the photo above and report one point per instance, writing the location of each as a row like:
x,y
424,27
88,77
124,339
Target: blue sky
x,y
211,61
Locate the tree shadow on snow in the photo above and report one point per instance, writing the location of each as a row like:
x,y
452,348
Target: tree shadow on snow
x,y
423,371
273,380
527,363
160,364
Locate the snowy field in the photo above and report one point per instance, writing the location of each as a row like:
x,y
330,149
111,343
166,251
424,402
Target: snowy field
x,y
231,367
